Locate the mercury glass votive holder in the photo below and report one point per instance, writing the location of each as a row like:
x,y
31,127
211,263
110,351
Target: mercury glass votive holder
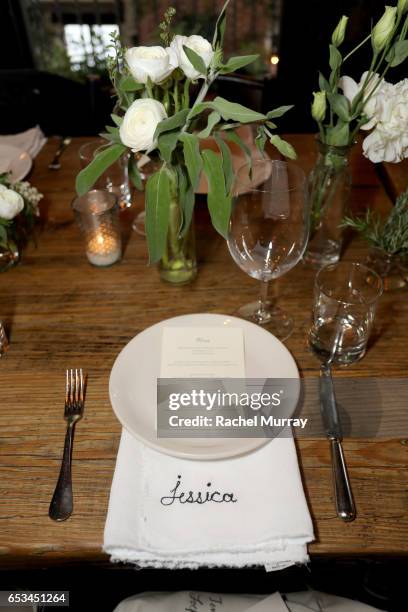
x,y
97,215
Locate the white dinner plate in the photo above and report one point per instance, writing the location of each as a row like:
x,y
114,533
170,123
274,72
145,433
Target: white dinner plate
x,y
133,384
14,160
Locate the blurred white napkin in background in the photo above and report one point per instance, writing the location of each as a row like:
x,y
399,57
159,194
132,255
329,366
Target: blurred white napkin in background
x,y
268,525
31,141
307,601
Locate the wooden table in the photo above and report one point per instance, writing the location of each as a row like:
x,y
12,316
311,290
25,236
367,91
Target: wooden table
x,y
395,177
61,312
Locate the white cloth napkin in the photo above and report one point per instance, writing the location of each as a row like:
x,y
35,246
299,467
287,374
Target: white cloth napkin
x,y
307,601
268,525
31,141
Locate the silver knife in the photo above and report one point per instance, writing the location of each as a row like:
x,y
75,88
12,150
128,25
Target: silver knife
x,y
345,506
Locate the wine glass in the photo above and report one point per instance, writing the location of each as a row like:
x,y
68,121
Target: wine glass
x,y
268,232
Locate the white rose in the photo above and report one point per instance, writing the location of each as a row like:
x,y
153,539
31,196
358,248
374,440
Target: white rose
x,y
11,203
351,89
154,62
389,141
198,44
139,124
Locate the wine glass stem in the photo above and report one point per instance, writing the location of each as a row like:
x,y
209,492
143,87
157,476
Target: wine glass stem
x,y
263,300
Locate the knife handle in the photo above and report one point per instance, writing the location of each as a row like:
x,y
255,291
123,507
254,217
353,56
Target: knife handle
x,y
344,498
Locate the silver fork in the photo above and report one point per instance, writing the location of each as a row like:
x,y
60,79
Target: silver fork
x,y
62,501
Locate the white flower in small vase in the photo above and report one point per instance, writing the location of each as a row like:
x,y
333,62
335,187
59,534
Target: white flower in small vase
x,y
351,89
11,203
389,140
155,63
200,46
140,122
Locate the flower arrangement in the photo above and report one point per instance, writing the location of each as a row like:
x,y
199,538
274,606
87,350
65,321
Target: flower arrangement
x,y
342,107
161,93
18,209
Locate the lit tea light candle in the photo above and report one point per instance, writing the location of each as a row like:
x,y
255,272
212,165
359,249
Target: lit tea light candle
x,y
103,249
97,216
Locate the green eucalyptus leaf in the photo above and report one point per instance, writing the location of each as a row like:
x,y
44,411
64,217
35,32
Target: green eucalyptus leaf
x,y
335,58
175,121
285,148
234,111
158,197
260,140
192,157
219,202
195,60
339,136
233,136
186,195
324,84
134,173
167,142
398,53
235,63
340,105
213,119
116,119
198,108
220,27
3,235
278,112
105,158
226,162
128,83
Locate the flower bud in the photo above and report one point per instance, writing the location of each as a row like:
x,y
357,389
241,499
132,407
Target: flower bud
x,y
319,105
340,31
402,6
383,29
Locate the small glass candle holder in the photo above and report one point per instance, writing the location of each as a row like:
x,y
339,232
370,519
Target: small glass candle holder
x,y
97,216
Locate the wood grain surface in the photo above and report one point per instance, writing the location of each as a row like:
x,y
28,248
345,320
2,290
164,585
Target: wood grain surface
x,y
61,312
395,177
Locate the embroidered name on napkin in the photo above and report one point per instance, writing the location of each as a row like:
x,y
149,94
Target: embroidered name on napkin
x,y
177,495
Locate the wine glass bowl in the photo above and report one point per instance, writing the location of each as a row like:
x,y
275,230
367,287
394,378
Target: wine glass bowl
x,y
268,231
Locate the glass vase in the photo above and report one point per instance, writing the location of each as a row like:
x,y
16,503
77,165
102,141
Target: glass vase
x,y
392,268
329,191
178,264
9,256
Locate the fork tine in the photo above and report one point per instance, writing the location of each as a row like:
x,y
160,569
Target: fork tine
x,y
67,388
76,387
81,388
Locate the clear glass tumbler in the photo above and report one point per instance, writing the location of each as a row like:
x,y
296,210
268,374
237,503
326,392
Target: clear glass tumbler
x,y
97,216
345,300
115,178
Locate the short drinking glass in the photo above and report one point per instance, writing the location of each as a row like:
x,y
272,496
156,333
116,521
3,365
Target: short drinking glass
x,y
345,300
268,232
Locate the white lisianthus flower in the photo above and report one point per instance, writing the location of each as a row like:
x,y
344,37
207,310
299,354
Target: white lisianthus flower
x,y
198,44
139,124
389,140
11,203
155,63
351,89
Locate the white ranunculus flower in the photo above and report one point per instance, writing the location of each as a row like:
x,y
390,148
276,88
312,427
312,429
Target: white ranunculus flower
x,y
11,203
351,89
154,62
198,44
389,140
139,124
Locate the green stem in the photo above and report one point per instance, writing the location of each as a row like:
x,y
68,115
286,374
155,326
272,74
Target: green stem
x,y
346,57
